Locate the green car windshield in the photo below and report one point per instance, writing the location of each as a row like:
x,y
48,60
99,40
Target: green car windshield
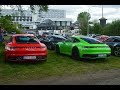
x,y
91,40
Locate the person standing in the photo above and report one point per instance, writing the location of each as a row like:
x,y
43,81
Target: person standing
x,y
1,35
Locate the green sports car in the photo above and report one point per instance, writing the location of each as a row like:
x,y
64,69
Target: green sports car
x,y
83,47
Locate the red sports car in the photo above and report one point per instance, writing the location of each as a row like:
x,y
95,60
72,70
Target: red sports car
x,y
25,47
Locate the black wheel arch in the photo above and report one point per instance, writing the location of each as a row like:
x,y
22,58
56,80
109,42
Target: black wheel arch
x,y
74,47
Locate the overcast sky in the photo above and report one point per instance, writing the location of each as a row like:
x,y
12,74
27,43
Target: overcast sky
x,y
110,12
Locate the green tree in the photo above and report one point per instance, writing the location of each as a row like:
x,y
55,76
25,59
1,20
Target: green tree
x,y
32,8
83,18
113,28
8,25
96,28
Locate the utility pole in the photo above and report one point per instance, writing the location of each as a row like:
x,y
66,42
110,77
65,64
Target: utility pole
x,y
102,11
88,23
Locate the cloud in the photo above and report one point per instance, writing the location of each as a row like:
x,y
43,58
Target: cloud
x,y
111,12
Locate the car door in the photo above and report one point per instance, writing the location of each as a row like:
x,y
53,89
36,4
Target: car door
x,y
66,46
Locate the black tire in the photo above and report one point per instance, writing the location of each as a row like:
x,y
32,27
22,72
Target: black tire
x,y
116,51
75,54
57,49
50,47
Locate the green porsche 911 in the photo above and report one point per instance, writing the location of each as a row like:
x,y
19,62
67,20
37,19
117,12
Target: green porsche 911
x,y
83,47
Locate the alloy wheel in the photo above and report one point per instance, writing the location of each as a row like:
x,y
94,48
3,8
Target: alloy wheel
x,y
117,51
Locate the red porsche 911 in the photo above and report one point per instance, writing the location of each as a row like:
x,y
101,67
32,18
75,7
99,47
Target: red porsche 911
x,y
25,47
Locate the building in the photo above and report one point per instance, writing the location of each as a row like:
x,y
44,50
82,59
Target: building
x,y
25,19
30,20
52,13
57,16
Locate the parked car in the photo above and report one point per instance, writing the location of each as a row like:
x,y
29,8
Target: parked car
x,y
25,47
102,38
94,35
114,44
43,33
31,32
83,47
50,41
13,32
5,33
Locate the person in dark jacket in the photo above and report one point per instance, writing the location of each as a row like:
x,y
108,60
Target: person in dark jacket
x,y
1,34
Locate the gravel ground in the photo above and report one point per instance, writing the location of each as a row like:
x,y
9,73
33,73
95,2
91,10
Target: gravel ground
x,y
107,77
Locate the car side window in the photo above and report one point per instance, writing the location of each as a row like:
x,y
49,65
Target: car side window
x,y
75,40
69,40
116,40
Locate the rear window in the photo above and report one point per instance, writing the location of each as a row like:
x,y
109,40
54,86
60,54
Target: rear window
x,y
58,39
26,39
91,40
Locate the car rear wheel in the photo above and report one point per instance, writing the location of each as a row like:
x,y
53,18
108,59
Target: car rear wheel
x,y
75,54
117,51
57,49
50,47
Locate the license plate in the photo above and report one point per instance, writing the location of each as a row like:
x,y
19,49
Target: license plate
x,y
102,55
29,57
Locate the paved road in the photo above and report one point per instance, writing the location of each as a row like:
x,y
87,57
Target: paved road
x,y
108,77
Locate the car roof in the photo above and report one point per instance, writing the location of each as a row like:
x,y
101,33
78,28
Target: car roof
x,y
59,36
22,35
81,36
115,36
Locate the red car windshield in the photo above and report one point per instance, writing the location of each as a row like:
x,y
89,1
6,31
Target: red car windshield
x,y
26,39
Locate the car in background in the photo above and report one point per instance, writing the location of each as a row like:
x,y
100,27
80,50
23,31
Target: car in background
x,y
31,32
45,34
13,32
83,47
114,44
94,35
102,38
5,33
25,47
50,41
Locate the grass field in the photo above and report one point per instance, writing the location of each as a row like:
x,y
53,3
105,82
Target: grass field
x,y
56,65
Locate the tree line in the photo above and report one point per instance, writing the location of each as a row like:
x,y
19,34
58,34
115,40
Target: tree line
x,y
111,29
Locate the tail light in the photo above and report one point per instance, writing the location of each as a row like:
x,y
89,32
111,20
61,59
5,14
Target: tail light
x,y
14,48
43,47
